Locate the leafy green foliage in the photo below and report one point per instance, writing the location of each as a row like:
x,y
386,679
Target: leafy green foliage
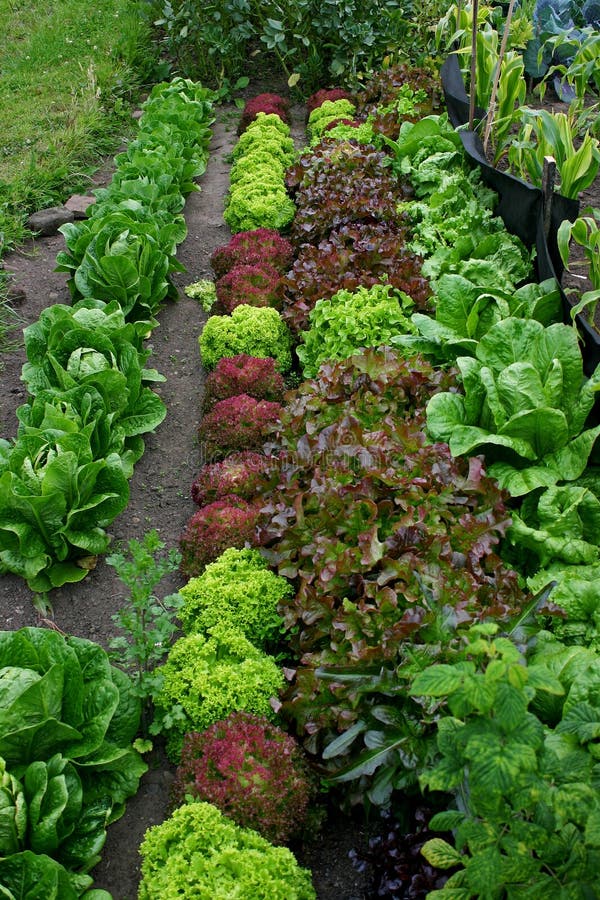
x,y
560,524
308,42
204,291
64,479
254,331
356,255
252,771
67,721
237,588
39,877
257,197
208,676
329,111
575,589
465,311
526,403
147,621
392,546
95,348
529,809
116,256
56,500
341,325
396,94
198,851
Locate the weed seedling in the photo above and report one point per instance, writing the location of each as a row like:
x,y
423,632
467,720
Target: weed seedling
x,y
147,622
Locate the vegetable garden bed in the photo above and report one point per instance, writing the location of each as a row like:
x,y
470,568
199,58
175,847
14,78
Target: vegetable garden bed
x,y
440,561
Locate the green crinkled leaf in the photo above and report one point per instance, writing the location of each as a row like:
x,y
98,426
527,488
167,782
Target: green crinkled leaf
x,y
441,854
33,876
447,820
522,481
437,681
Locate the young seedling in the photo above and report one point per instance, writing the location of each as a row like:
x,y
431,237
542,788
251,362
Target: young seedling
x,y
148,623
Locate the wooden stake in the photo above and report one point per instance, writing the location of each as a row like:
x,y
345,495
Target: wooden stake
x,y
473,85
492,107
548,179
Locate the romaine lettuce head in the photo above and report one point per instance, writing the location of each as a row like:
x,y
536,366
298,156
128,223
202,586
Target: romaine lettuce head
x,y
62,695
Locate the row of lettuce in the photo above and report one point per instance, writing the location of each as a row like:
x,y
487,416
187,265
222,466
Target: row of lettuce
x,y
68,717
64,478
417,661
414,658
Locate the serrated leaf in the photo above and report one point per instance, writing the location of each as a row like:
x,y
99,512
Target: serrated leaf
x,y
447,820
441,854
437,681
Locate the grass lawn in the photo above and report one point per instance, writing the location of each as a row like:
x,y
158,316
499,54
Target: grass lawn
x,y
68,71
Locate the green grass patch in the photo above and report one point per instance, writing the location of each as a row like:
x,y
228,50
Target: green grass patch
x,y
70,70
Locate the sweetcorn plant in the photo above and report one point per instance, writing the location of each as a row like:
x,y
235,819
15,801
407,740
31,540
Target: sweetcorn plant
x,y
206,677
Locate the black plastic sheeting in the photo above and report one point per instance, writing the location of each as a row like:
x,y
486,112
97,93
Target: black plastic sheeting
x,y
520,205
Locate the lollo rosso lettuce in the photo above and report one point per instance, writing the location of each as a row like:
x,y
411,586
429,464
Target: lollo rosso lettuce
x,y
67,765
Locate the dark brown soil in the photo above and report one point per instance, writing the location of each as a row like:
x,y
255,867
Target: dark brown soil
x,y
160,499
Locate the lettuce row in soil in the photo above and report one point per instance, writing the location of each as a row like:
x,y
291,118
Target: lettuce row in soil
x,y
64,479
